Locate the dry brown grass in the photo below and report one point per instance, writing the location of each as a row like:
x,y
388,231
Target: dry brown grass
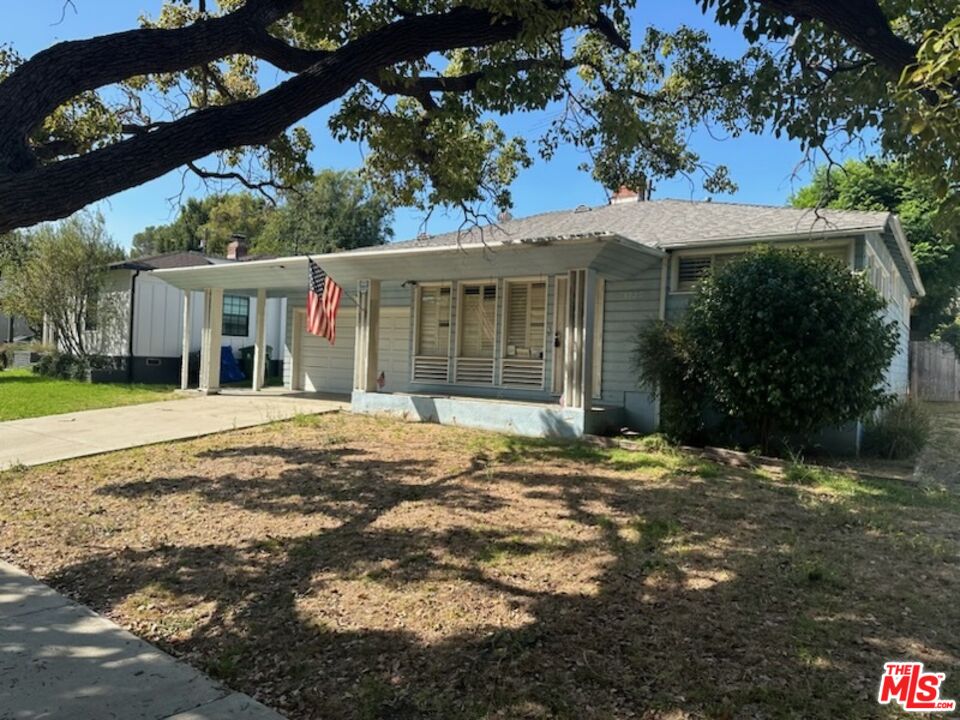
x,y
351,567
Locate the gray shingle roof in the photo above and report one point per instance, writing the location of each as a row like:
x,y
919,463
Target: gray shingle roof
x,y
665,223
178,259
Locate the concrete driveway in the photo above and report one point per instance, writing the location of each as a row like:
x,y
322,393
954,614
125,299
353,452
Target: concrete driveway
x,y
60,437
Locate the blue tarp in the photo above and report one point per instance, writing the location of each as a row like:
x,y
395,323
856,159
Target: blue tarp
x,y
230,372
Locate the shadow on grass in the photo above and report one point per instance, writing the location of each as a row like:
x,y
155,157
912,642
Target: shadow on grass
x,y
708,597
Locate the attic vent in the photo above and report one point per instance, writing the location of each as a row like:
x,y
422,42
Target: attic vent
x,y
692,270
582,209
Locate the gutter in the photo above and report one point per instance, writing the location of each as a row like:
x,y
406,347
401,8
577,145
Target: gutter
x,y
133,310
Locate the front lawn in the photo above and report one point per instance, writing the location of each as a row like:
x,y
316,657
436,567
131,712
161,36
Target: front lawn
x,y
24,394
354,567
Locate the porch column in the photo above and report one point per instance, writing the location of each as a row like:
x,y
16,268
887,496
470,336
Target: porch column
x,y
366,349
185,343
260,342
210,342
578,350
586,340
571,352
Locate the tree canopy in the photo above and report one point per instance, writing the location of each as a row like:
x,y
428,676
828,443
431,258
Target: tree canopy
x,y
424,84
206,224
61,271
333,211
874,185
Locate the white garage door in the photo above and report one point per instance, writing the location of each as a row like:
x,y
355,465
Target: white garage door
x,y
394,351
328,368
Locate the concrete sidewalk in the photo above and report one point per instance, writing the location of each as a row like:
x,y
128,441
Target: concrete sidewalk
x,y
59,659
60,437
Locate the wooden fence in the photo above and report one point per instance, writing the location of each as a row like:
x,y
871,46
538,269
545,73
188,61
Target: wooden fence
x,y
934,372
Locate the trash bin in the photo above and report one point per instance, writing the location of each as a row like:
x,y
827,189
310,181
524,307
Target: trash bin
x,y
246,360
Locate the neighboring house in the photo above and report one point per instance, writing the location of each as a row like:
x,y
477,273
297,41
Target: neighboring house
x,y
139,320
530,326
14,329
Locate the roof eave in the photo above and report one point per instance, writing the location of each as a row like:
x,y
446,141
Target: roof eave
x,y
904,246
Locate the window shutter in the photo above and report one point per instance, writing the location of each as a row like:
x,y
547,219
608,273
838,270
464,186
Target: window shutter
x,y
478,320
692,270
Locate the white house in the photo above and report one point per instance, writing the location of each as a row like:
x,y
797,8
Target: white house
x,y
529,326
141,319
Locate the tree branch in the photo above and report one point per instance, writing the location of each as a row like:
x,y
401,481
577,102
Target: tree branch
x,y
861,22
52,77
53,191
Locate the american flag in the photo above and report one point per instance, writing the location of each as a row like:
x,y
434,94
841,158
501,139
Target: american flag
x,y
323,301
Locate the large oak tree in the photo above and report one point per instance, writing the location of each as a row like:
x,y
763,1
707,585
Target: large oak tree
x,y
423,83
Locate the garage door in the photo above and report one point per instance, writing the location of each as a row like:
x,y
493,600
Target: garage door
x,y
394,352
328,368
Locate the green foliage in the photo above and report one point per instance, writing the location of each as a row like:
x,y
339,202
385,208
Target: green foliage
x,y
59,274
875,185
206,224
63,366
789,341
432,126
664,366
899,431
949,333
335,211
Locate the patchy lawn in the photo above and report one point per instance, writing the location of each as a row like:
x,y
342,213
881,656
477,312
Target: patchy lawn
x,y
24,394
354,567
939,464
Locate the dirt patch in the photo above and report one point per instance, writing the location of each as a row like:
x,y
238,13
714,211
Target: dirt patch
x,y
352,567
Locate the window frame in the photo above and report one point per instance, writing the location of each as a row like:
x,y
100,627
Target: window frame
x,y
225,328
418,316
504,321
462,285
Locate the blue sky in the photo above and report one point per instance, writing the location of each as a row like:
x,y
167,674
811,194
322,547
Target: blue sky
x,y
763,167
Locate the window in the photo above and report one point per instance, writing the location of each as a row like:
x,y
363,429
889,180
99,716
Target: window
x,y
478,319
236,315
433,322
692,270
476,331
525,321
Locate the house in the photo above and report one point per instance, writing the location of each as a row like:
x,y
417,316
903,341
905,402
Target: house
x,y
14,328
139,320
529,326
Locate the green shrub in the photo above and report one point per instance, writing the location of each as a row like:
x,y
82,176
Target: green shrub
x,y
62,365
664,367
898,432
789,341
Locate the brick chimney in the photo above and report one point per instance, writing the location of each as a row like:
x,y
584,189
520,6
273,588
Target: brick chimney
x,y
623,194
237,248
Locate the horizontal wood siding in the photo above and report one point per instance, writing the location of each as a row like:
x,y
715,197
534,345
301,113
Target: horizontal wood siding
x,y
628,305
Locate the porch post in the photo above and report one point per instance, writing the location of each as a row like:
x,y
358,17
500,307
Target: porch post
x,y
185,342
260,342
366,348
586,343
210,343
571,352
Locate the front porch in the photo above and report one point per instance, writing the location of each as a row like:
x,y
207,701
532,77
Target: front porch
x,y
522,338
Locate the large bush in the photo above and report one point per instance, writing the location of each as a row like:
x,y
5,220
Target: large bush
x,y
790,341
